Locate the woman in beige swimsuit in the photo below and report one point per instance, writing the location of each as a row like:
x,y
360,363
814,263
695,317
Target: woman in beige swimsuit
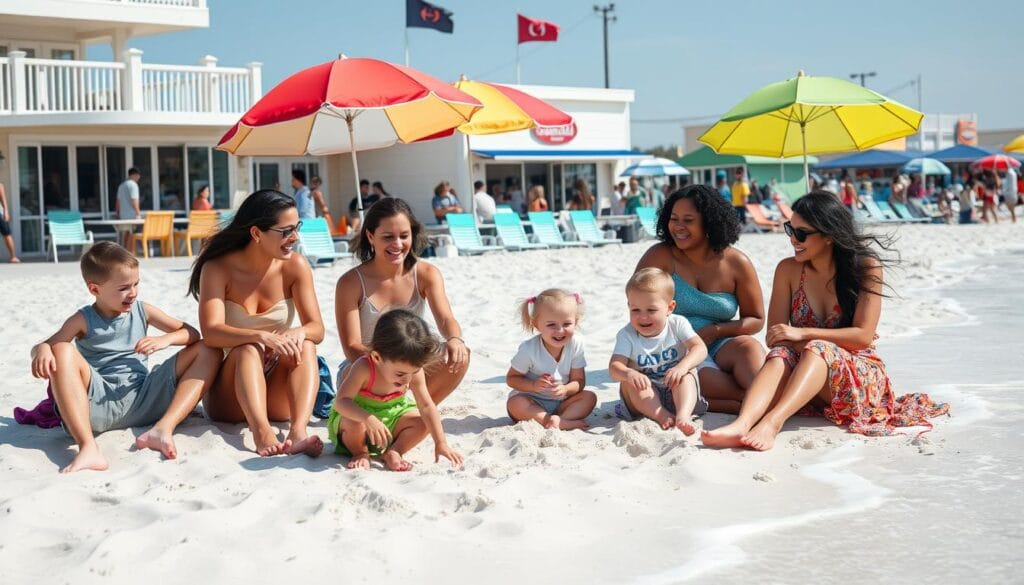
x,y
250,285
391,277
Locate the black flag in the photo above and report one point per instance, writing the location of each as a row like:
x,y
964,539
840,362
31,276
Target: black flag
x,y
425,15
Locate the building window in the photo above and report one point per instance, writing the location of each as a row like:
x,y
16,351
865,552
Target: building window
x,y
142,159
198,171
56,193
171,168
87,165
220,193
117,173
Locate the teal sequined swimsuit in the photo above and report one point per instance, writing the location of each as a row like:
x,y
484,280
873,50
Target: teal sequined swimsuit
x,y
703,309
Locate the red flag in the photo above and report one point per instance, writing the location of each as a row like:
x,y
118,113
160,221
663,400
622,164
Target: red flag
x,y
531,29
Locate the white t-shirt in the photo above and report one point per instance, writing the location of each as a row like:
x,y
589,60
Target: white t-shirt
x,y
127,192
1010,183
485,206
533,360
653,356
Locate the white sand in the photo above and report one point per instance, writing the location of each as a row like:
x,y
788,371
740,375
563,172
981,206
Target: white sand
x,y
621,502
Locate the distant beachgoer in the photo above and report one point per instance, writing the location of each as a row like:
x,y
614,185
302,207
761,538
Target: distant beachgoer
x,y
303,199
5,225
739,193
966,197
445,201
317,194
514,196
636,197
848,193
657,354
822,321
373,414
897,190
538,202
250,285
126,205
98,368
582,198
379,191
987,184
547,375
391,276
713,280
1009,192
916,189
483,204
202,200
368,199
619,198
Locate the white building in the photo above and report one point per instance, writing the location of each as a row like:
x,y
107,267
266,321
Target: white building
x,y
70,129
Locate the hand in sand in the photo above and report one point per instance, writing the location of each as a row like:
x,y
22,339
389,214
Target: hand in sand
x,y
456,354
443,450
377,433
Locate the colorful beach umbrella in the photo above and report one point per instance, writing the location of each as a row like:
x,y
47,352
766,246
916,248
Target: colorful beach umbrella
x,y
654,167
347,105
926,166
1015,145
810,115
996,161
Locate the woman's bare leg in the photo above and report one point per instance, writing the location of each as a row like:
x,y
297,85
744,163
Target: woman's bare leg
x,y
441,381
291,391
764,391
808,380
239,394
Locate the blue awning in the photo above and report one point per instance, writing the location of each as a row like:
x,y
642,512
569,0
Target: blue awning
x,y
961,153
554,154
870,159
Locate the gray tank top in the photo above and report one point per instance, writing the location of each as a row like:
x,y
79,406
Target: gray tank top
x,y
109,345
369,314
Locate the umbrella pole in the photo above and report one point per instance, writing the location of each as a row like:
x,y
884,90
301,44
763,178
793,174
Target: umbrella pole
x,y
355,169
469,177
803,141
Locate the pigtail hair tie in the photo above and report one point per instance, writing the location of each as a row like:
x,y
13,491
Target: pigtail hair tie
x,y
579,299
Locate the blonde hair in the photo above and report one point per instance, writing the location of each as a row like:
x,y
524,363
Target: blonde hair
x,y
529,307
651,280
535,192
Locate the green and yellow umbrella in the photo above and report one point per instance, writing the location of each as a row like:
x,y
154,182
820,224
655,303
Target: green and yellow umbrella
x,y
1016,145
810,115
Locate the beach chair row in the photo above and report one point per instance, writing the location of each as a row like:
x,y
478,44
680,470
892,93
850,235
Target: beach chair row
x,y
465,235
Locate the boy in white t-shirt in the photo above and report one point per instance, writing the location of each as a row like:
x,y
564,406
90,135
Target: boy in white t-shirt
x,y
656,356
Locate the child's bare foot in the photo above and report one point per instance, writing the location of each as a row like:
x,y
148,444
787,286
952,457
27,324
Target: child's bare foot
x,y
569,425
267,444
158,439
665,421
89,457
686,425
726,437
393,461
762,436
359,461
311,445
554,422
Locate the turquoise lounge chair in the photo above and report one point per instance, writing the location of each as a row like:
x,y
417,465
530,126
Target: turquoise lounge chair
x,y
904,213
67,229
512,234
648,220
316,244
585,224
547,232
503,209
875,212
466,236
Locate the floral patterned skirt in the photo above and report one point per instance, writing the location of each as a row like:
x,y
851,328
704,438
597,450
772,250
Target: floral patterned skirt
x,y
862,395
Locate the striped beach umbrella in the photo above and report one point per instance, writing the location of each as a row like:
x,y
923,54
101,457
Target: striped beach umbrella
x,y
654,167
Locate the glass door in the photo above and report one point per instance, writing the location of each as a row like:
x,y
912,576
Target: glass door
x,y
268,176
28,204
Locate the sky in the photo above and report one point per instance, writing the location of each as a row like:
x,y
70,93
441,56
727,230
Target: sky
x,y
687,60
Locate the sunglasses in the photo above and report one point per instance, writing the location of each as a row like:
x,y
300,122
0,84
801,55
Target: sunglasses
x,y
799,233
291,230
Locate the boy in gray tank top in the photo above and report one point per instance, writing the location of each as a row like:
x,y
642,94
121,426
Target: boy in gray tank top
x,y
97,363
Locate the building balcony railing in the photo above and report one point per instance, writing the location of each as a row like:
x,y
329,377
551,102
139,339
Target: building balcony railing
x,y
45,86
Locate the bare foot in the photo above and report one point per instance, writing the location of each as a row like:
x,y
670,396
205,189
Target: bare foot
x,y
554,422
569,425
359,461
726,437
158,439
267,444
89,457
686,426
762,436
15,260
665,420
393,461
311,445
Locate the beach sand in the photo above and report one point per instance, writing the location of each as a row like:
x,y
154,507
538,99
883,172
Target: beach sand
x,y
622,502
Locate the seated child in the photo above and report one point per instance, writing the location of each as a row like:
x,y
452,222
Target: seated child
x,y
657,354
97,363
547,374
373,412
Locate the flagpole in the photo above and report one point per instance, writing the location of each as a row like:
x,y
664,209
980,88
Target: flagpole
x,y
518,82
406,46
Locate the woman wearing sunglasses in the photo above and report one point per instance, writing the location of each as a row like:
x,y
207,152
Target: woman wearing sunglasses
x,y
713,280
250,285
824,310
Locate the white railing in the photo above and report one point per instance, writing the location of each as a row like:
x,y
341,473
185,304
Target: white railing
x,y
183,3
32,86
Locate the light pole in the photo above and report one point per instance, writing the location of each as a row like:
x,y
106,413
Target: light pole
x,y
862,76
605,10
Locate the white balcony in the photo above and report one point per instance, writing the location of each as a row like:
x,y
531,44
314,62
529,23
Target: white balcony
x,y
37,92
90,19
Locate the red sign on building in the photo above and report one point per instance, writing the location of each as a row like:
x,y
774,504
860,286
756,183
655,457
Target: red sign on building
x,y
555,134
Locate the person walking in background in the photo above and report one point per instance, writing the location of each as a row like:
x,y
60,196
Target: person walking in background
x,y
127,204
353,205
485,206
740,193
445,201
988,188
848,193
537,200
319,201
1009,191
303,200
619,198
202,200
5,225
965,195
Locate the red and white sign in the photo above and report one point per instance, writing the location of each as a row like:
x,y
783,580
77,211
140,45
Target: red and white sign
x,y
555,134
532,29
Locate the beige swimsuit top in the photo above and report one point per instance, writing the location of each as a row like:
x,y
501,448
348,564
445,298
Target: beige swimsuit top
x,y
276,319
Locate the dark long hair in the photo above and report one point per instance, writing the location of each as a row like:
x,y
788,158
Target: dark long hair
x,y
851,249
401,335
261,209
378,212
720,222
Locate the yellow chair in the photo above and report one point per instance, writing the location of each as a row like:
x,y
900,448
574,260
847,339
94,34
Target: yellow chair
x,y
201,225
158,227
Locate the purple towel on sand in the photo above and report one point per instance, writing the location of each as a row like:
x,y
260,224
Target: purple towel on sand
x,y
44,415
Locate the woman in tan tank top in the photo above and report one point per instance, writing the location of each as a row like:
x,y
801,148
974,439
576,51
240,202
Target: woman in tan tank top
x,y
250,285
390,277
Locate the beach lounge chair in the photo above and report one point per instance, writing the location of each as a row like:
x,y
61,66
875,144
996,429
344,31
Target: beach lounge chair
x,y
648,220
903,213
875,212
758,222
511,232
316,243
545,228
466,236
585,224
503,209
67,229
226,215
201,225
157,227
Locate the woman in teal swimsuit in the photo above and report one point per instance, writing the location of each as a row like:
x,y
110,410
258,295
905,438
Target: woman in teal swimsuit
x,y
714,280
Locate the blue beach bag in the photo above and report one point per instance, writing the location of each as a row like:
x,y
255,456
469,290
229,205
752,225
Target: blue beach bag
x,y
325,394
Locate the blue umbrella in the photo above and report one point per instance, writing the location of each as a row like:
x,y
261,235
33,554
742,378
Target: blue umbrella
x,y
654,167
926,166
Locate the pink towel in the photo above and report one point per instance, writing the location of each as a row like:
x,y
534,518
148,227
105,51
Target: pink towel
x,y
44,415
